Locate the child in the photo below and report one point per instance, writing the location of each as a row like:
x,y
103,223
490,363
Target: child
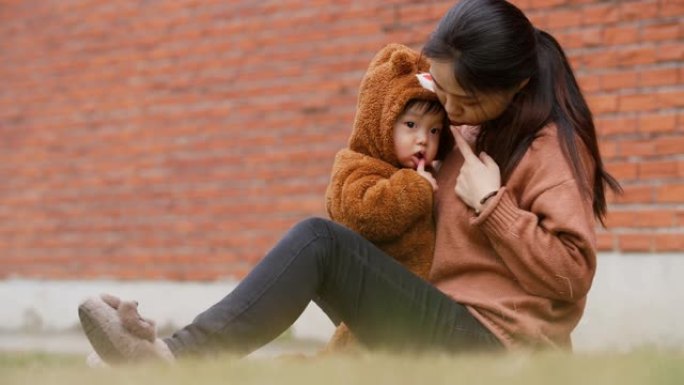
x,y
381,185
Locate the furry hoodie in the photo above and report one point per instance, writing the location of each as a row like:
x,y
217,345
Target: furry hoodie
x,y
369,191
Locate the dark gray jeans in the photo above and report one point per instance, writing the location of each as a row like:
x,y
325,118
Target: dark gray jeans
x,y
386,306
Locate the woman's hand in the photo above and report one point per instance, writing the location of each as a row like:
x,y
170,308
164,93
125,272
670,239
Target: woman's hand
x,y
469,133
479,175
426,174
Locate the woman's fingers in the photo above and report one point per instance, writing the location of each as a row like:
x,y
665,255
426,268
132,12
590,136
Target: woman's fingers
x,y
478,177
488,160
463,146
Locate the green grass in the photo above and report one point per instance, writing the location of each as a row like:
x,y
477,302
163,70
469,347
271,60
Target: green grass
x,y
641,367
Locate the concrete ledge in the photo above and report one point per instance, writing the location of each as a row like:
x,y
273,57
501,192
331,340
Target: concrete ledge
x,y
636,301
42,306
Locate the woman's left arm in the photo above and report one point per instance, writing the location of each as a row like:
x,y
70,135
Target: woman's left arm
x,y
551,248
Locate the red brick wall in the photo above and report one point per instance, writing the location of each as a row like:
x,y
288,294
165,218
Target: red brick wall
x,y
180,139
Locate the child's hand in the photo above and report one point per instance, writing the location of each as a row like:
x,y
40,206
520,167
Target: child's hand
x,y
425,174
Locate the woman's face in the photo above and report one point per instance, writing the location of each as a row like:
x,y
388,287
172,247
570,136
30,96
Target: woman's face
x,y
462,107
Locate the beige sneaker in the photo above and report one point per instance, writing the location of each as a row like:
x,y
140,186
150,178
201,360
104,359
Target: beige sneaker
x,y
94,361
118,333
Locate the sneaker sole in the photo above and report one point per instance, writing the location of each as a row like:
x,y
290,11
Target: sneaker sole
x,y
98,337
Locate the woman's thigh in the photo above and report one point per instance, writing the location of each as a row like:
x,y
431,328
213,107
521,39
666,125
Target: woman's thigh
x,y
385,305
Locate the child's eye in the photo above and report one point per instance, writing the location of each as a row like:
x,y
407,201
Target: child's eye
x,y
435,130
410,124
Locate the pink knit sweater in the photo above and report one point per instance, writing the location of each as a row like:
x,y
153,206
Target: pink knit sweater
x,y
523,267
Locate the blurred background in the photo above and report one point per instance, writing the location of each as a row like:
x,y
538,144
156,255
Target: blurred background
x,y
157,149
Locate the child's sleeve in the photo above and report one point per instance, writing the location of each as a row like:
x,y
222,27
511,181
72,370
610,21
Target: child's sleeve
x,y
375,199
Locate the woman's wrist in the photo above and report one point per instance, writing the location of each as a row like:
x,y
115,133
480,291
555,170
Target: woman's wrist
x,y
484,200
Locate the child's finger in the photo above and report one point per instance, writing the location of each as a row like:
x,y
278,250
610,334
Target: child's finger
x,y
421,165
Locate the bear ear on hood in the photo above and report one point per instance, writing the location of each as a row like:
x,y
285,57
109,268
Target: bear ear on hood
x,y
400,57
403,62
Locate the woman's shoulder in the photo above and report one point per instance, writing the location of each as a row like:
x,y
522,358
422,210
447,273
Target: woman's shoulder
x,y
544,149
546,140
547,143
545,163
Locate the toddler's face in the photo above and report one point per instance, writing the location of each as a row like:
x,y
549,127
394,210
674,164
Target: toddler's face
x,y
416,136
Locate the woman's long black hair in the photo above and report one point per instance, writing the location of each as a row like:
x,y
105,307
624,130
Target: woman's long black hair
x,y
494,48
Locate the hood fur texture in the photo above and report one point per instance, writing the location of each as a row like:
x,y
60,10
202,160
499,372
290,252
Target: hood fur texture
x,y
369,192
387,86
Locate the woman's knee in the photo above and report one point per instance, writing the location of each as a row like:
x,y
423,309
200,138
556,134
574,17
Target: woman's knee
x,y
313,225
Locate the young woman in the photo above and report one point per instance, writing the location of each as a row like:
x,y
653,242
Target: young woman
x,y
515,244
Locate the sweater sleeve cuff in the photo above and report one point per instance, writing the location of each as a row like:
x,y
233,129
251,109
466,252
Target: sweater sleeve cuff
x,y
499,214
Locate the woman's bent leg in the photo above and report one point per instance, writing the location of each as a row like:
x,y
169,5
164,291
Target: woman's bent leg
x,y
266,302
385,305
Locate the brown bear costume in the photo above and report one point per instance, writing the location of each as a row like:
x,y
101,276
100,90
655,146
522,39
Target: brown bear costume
x,y
369,191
